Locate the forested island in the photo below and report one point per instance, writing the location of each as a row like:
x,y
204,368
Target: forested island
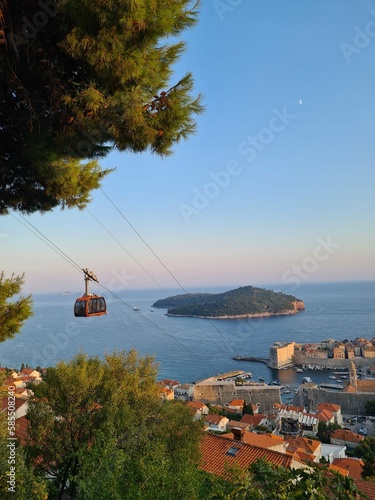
x,y
243,302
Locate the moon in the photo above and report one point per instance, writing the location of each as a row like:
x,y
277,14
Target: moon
x,y
300,101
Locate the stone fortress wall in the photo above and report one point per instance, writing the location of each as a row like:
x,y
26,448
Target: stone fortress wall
x,y
351,403
222,392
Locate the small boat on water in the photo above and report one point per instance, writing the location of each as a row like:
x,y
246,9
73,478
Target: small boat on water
x,y
261,379
306,380
332,377
135,308
299,370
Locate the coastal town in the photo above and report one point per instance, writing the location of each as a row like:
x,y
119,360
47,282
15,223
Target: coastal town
x,y
245,420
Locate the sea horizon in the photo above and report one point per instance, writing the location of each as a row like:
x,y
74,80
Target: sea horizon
x,y
189,349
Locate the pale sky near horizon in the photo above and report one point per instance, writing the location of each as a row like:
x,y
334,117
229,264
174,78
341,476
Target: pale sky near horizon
x,y
277,184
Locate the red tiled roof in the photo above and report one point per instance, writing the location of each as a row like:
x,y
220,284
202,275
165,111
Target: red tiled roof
x,y
298,409
325,415
212,418
301,443
346,435
338,469
253,420
168,381
21,430
18,401
237,402
260,440
215,455
27,371
366,488
236,423
328,406
196,405
349,388
353,466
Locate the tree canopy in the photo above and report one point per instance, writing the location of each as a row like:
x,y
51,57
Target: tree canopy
x,y
80,78
12,314
88,412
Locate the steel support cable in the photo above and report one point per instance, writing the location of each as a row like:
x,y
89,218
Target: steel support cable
x,y
140,265
166,268
62,254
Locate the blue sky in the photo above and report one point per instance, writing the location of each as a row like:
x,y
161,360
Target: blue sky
x,y
275,187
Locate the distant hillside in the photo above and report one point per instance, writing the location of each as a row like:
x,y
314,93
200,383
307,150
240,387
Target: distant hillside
x,y
247,301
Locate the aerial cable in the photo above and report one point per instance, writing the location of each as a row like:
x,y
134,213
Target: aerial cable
x,y
62,254
157,327
140,265
128,253
46,240
165,267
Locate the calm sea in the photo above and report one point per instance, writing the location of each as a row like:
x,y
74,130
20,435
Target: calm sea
x,y
189,349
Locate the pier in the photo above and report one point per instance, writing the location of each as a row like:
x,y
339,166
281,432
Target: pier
x,y
335,387
251,358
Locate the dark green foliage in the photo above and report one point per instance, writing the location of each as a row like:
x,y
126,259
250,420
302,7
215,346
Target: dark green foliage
x,y
182,300
29,485
242,301
267,482
12,314
325,430
366,451
370,407
247,409
79,78
89,412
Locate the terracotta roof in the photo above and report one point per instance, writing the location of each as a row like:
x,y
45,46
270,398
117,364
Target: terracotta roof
x,y
168,381
353,466
27,371
19,401
166,390
260,440
346,435
298,409
212,418
366,385
237,402
301,443
328,406
253,420
325,415
366,488
218,451
196,405
349,388
22,390
303,456
236,423
21,430
338,469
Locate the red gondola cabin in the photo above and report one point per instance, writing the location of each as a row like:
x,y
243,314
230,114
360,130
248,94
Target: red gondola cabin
x,y
89,304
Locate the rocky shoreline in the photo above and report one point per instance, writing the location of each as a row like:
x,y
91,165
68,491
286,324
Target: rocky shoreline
x,y
298,306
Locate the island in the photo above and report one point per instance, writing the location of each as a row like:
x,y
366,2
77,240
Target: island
x,y
243,302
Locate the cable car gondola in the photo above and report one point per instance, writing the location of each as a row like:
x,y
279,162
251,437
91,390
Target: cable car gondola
x,y
89,304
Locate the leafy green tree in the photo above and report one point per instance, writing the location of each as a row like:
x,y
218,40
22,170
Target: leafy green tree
x,y
264,481
12,314
88,412
325,430
247,409
80,78
370,407
366,451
